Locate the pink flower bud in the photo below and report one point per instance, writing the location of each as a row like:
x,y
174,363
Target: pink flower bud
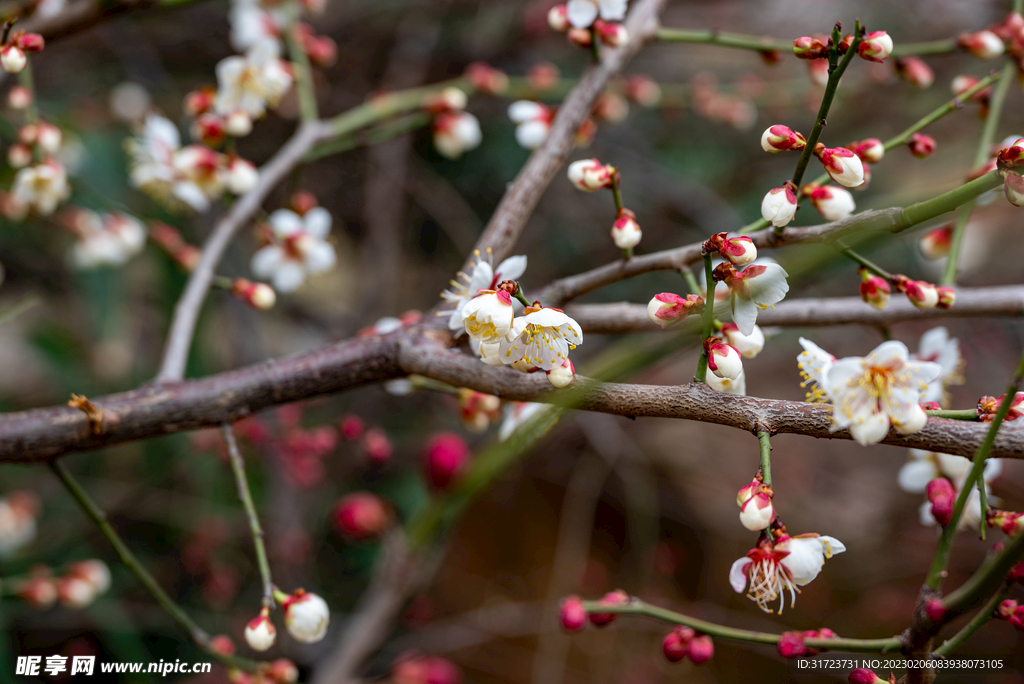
x,y
935,243
643,90
874,290
676,644
257,295
934,610
542,76
12,59
260,633
832,202
807,47
377,446
870,151
875,47
591,175
242,175
562,375
209,129
781,138
779,206
612,598
449,99
445,456
558,18
740,251
842,165
626,231
983,44
863,675
921,294
1006,609
1013,188
19,98
817,69
580,37
222,644
921,145
302,201
306,616
757,512
93,571
48,137
322,50
199,101
610,33
19,155
411,668
351,427
486,79
360,516
941,495
31,42
283,671
75,593
947,297
1017,619
724,361
571,614
610,107
791,645
667,309
702,649
915,72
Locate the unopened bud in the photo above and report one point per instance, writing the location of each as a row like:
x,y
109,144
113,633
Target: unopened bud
x,y
781,138
19,98
283,671
667,309
558,18
351,427
302,201
643,90
842,165
445,456
542,76
199,102
322,50
222,645
941,495
486,79
12,59
580,37
723,360
626,231
915,72
1012,154
921,145
257,295
832,202
591,175
612,598
562,375
260,633
1006,609
611,107
791,645
676,645
964,82
209,129
982,44
749,346
242,175
377,446
31,42
238,124
935,243
306,616
571,614
1013,188
934,609
740,251
1009,522
360,516
875,47
779,206
870,151
757,512
449,99
874,290
702,649
921,294
807,47
19,155
610,33
947,297
863,675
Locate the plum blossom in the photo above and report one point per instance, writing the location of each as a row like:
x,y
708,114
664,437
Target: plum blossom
x,y
253,82
298,249
737,385
831,202
885,387
747,345
937,346
253,21
842,165
488,317
152,157
542,336
582,13
924,466
105,239
456,133
42,187
758,286
533,121
779,206
785,564
306,616
814,363
484,276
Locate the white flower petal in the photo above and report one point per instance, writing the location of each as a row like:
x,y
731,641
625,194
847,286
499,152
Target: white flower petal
x,y
581,13
738,575
318,222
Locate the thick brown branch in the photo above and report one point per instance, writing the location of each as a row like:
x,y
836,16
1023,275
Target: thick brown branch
x,y
156,410
515,207
690,402
623,317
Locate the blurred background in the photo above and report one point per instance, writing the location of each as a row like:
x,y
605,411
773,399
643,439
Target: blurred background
x,y
601,502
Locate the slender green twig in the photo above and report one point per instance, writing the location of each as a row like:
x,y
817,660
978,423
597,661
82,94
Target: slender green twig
x,y
370,136
245,496
981,155
871,266
985,579
616,194
691,281
638,607
982,616
942,550
303,74
708,319
723,39
955,414
766,456
931,47
195,632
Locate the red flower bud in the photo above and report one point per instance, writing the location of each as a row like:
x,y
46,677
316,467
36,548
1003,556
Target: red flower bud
x,y
863,675
360,516
941,495
571,614
351,427
807,47
934,610
874,290
702,649
915,72
612,598
676,644
446,454
921,145
791,645
31,42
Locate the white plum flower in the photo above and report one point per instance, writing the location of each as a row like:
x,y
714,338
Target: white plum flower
x,y
152,157
771,569
299,248
924,466
105,240
747,345
533,122
42,187
543,337
482,277
583,13
488,316
885,387
201,176
937,346
814,363
756,287
253,21
253,82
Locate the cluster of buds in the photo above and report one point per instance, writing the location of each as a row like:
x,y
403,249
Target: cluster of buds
x,y
1009,522
579,20
1012,612
941,495
360,516
413,668
478,410
306,617
456,131
445,457
988,406
210,126
35,138
12,53
873,47
791,644
667,309
755,502
77,588
739,251
486,79
832,202
684,642
533,122
924,295
186,256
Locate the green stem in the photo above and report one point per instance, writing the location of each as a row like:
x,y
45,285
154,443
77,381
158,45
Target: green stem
x,y
931,47
709,320
616,195
955,414
521,297
372,136
638,607
938,569
27,82
303,75
691,281
245,496
948,201
595,48
391,104
723,39
195,632
835,72
766,456
984,580
871,266
981,155
982,616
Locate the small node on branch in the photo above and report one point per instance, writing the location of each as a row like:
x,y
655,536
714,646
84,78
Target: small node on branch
x,y
92,413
